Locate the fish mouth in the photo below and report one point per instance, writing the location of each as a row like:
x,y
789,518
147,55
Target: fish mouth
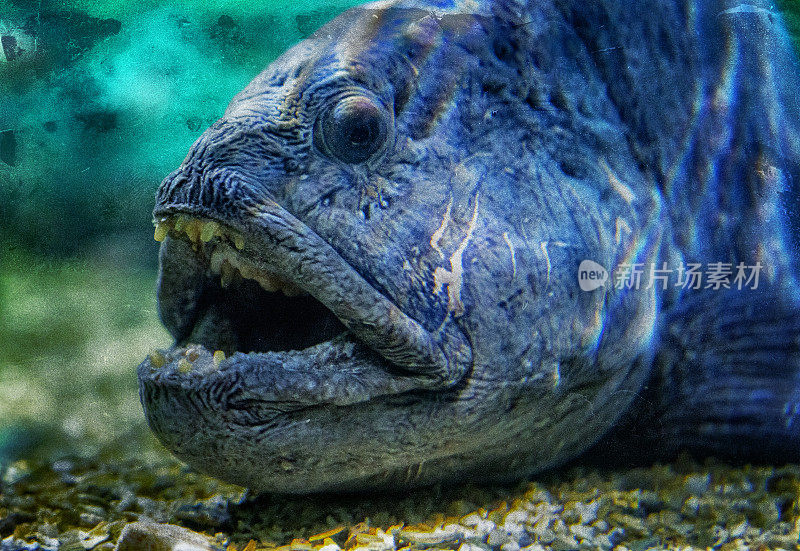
x,y
269,295
227,302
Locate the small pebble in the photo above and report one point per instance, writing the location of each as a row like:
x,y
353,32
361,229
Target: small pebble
x,y
582,532
139,536
697,484
497,537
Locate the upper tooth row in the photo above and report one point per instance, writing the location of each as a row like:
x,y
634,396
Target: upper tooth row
x,y
228,264
224,261
195,229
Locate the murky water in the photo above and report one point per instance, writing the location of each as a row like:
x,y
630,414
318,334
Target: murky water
x,y
98,102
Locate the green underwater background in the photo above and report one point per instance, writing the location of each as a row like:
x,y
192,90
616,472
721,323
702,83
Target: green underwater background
x,y
101,106
99,100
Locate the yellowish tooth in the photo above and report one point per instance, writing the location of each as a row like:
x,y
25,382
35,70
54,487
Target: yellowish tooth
x,y
238,241
268,284
217,258
219,355
180,223
208,232
233,259
291,290
248,272
157,359
227,273
161,232
193,230
184,365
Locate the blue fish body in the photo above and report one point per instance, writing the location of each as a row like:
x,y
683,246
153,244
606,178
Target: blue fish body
x,y
461,240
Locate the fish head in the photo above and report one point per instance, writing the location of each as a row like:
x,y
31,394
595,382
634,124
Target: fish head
x,y
369,281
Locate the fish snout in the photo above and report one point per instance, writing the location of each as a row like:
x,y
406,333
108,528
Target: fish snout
x,y
222,190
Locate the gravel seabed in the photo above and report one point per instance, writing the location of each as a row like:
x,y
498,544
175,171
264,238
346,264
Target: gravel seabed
x,y
87,504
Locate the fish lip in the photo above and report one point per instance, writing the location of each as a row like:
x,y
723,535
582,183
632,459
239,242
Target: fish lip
x,y
209,414
274,238
269,385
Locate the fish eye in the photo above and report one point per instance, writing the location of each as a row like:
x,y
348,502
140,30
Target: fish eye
x,y
353,129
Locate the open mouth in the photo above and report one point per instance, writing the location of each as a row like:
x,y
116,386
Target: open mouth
x,y
273,301
237,305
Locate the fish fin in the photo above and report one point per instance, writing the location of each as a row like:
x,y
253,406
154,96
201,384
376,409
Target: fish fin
x,y
726,381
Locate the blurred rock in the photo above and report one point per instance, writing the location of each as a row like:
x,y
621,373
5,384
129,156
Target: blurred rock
x,y
161,537
61,36
98,121
16,44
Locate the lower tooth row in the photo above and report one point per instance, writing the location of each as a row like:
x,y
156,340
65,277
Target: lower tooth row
x,y
186,363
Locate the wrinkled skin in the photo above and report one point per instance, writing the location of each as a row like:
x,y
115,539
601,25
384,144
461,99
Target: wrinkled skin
x,y
509,142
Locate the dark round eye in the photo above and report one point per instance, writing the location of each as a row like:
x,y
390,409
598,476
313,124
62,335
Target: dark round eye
x,y
353,130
